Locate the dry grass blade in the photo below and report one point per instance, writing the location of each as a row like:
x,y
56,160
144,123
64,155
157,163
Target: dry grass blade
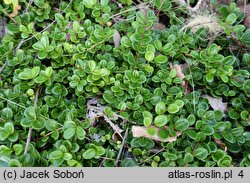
x,y
209,22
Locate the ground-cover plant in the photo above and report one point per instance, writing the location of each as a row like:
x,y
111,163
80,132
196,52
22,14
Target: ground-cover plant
x,y
99,83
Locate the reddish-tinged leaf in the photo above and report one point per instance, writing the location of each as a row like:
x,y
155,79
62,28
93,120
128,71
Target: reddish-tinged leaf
x,y
221,144
15,5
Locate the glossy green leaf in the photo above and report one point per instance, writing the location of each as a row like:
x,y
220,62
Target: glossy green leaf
x,y
80,133
160,59
200,153
149,56
231,19
69,133
207,130
173,108
89,154
56,155
160,108
38,124
160,120
181,124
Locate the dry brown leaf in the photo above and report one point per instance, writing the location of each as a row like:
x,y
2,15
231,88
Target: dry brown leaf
x,y
140,131
215,103
227,2
116,38
178,68
95,110
180,74
115,127
222,2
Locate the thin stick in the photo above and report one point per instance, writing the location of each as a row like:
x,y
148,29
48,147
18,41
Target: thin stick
x,y
12,102
235,39
30,129
3,67
28,141
19,45
195,146
10,17
27,8
121,148
245,6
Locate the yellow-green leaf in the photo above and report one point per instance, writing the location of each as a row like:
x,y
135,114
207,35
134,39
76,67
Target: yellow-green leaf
x,y
16,6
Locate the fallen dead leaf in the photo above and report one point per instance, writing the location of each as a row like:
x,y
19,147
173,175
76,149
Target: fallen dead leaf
x,y
116,38
140,131
95,110
179,69
216,104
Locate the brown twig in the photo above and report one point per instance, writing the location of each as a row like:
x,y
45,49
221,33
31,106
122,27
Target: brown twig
x,y
195,146
30,129
235,39
10,17
121,148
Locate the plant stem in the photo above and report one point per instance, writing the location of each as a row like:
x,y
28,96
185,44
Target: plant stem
x,y
30,129
195,146
3,67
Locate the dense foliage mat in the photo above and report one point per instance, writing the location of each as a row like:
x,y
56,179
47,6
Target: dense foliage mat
x,y
123,83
